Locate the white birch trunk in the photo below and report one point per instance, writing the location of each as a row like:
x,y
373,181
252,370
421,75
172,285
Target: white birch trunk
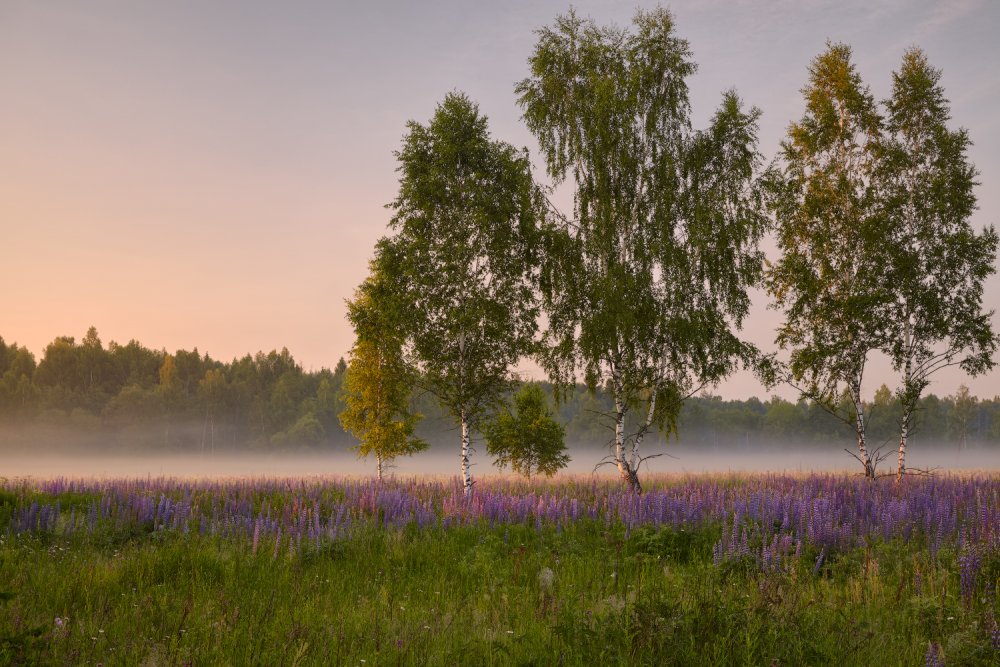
x,y
620,439
625,467
904,434
466,470
908,404
859,429
378,465
636,456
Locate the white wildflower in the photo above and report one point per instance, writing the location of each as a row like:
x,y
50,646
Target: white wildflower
x,y
545,578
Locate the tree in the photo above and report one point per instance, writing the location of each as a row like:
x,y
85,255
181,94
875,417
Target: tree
x,y
95,369
377,383
938,261
645,281
830,278
884,415
169,393
529,440
17,393
213,390
783,419
963,406
461,261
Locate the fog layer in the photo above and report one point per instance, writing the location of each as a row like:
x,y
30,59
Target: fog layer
x,y
675,459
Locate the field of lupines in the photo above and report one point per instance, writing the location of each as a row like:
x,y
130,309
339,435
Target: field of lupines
x,y
763,569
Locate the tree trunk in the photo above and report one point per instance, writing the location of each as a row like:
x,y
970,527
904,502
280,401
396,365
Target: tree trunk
x,y
859,429
909,402
904,434
466,471
650,413
378,465
620,438
625,469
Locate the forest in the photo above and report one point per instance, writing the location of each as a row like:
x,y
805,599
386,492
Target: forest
x,y
129,397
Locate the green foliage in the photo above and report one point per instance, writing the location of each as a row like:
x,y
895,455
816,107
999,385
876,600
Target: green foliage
x,y
878,253
830,280
132,396
938,262
237,401
462,255
644,282
476,595
674,546
461,261
378,382
830,233
529,440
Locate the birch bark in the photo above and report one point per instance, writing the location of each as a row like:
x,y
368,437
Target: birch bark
x,y
466,470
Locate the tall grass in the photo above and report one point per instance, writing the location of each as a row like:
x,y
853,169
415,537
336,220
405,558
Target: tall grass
x,y
700,570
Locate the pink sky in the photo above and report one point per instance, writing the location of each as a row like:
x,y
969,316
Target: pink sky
x,y
215,177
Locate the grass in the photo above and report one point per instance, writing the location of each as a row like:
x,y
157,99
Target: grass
x,y
589,593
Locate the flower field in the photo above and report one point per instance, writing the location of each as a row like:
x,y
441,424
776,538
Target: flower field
x,y
761,569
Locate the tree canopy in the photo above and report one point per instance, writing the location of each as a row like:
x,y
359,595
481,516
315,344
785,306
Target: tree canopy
x,y
528,439
938,262
877,251
462,261
378,382
830,278
645,280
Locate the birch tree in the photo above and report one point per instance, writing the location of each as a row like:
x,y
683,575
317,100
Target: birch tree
x,y
462,260
378,382
530,440
644,281
830,280
938,261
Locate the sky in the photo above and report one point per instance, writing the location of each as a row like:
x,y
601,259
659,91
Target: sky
x,y
215,175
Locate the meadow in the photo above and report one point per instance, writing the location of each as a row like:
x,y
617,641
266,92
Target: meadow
x,y
751,569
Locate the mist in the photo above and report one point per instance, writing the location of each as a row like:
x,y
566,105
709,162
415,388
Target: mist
x,y
36,455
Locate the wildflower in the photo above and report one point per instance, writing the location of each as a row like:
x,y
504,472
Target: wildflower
x,y
545,578
969,563
933,656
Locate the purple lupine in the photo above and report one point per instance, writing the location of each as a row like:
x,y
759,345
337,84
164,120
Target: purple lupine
x,y
933,657
819,561
763,517
969,562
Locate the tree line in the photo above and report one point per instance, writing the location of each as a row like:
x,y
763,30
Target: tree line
x,y
142,399
183,400
641,288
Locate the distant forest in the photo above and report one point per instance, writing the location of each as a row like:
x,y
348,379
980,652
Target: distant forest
x,y
132,398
